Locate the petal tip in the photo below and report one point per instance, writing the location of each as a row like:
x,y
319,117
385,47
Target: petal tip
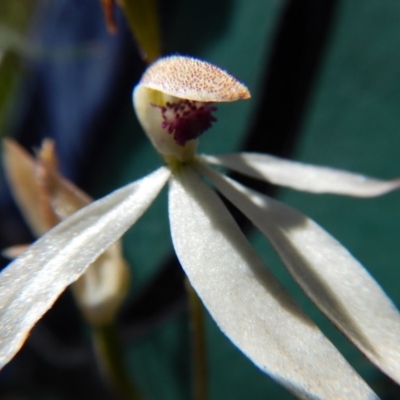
x,y
396,184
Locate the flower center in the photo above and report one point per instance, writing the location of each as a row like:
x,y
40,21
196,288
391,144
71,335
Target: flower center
x,y
187,120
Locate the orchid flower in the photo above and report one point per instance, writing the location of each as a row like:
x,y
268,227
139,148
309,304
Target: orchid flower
x,y
174,102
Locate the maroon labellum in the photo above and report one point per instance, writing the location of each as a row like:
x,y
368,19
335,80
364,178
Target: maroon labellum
x,y
187,120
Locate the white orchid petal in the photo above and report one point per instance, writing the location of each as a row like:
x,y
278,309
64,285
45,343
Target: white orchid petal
x,y
327,272
246,301
30,285
301,176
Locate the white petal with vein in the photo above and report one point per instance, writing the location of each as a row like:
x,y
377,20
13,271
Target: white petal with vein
x,y
338,284
248,304
301,176
30,285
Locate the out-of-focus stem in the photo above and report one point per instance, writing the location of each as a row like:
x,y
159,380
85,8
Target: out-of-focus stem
x,y
142,16
110,358
198,344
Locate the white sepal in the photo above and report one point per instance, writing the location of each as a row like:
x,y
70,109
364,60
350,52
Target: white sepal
x,y
301,176
30,285
246,301
337,283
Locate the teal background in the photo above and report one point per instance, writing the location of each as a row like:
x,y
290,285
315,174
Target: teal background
x,y
352,123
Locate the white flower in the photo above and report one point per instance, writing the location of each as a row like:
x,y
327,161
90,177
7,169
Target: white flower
x,y
173,105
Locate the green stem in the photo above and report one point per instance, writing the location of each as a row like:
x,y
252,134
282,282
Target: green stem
x,y
198,344
109,354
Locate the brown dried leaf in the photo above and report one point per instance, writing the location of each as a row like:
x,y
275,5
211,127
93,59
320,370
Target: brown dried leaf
x,y
20,171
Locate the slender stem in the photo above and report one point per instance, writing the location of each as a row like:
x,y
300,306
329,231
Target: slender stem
x,y
110,358
198,344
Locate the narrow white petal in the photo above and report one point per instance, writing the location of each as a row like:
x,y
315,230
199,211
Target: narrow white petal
x,y
30,285
338,284
301,176
246,301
